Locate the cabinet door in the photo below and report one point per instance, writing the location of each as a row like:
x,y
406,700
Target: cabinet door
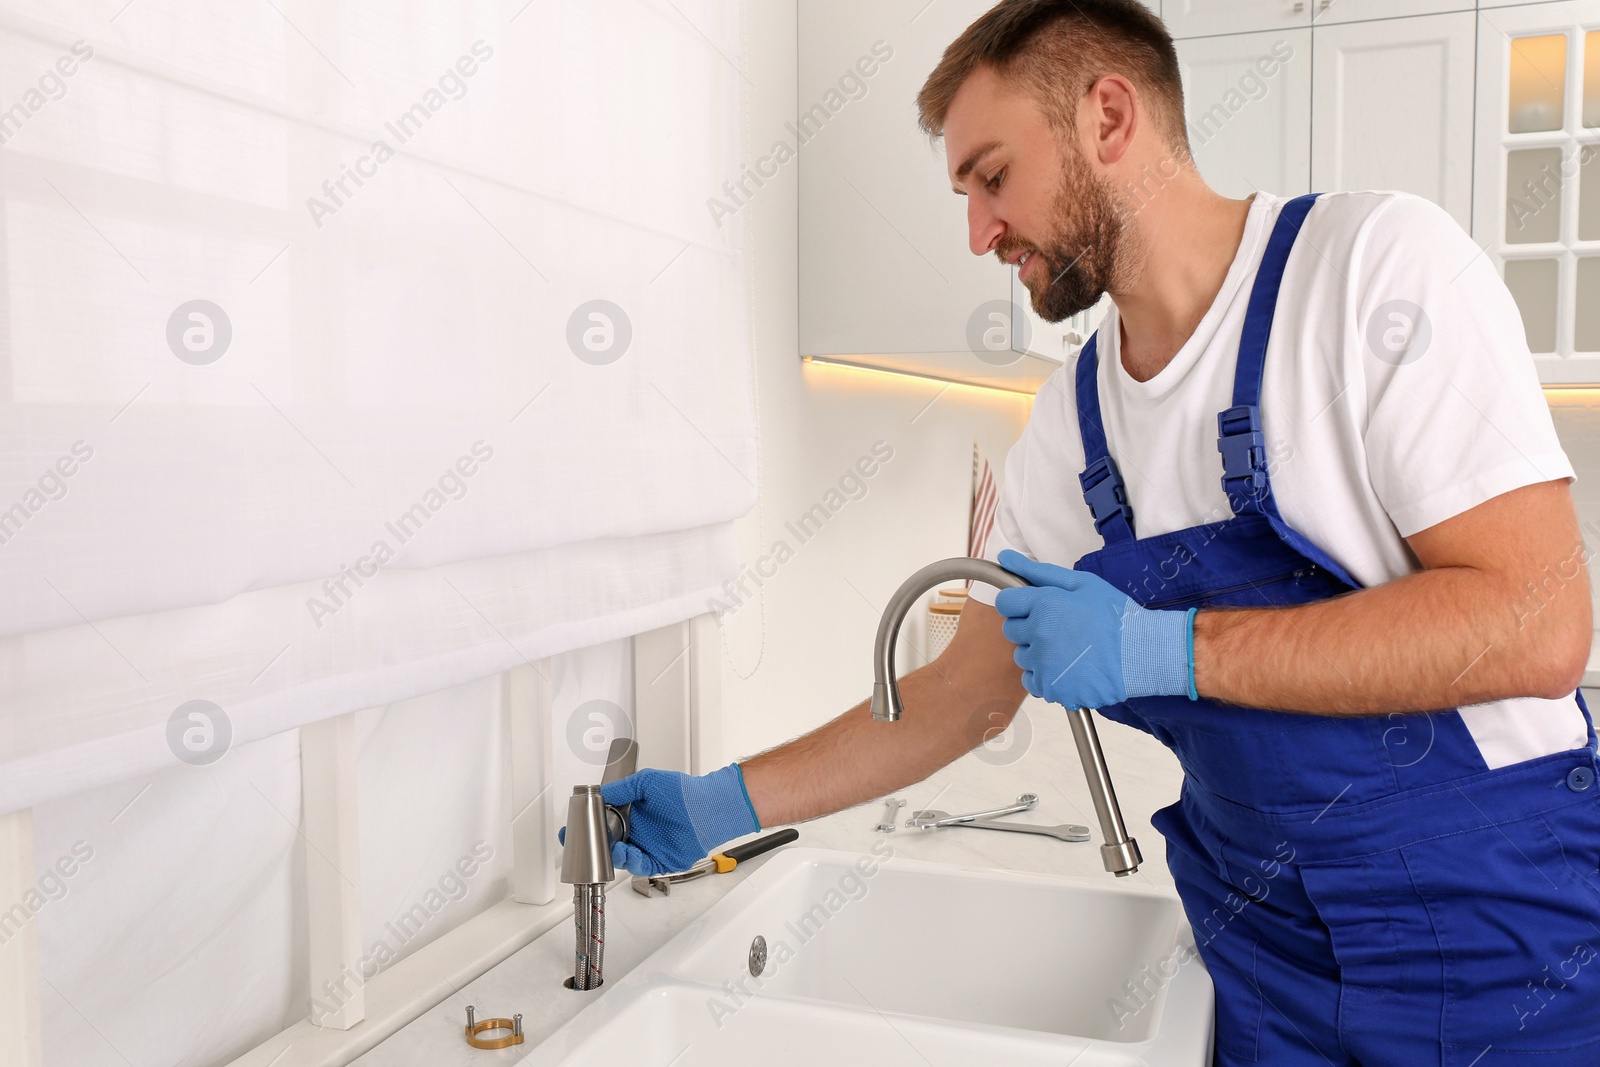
x,y
1536,201
1199,18
1329,12
886,278
1362,139
1247,98
884,266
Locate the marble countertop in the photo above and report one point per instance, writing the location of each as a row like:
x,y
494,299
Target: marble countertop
x,y
1036,756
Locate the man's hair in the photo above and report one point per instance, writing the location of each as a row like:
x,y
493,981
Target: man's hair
x,y
1057,50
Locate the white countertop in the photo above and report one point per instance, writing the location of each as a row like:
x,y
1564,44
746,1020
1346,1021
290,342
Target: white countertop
x,y
1146,777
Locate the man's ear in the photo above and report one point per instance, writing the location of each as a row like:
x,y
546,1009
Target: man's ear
x,y
1112,108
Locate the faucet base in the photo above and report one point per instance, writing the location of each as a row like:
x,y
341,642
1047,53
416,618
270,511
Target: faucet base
x,y
1122,858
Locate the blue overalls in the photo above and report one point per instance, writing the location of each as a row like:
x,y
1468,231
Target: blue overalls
x,y
1362,890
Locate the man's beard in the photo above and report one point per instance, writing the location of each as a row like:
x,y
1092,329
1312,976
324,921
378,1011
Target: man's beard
x,y
1079,263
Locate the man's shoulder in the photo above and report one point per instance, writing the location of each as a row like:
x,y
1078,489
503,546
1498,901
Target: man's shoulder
x,y
1360,207
1385,241
1384,218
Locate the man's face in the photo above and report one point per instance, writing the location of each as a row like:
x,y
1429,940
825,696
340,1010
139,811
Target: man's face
x,y
1032,198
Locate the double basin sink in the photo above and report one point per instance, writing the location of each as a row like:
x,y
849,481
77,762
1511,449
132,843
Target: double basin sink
x,y
874,958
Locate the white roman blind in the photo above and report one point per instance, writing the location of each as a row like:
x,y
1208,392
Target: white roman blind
x,y
353,351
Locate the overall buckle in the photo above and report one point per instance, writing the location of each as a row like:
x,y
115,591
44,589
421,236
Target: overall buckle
x,y
1106,496
1244,452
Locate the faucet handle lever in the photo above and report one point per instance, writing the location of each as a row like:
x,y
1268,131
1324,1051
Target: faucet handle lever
x,y
621,761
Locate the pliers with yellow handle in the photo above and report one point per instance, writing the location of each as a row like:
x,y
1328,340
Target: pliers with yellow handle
x,y
716,863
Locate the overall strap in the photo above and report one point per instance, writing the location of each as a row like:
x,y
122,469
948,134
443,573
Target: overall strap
x,y
1239,436
1103,488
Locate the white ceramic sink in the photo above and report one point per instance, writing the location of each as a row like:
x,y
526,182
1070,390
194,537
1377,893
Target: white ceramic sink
x,y
891,960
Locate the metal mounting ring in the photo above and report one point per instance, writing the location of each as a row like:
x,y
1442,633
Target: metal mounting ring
x,y
474,1028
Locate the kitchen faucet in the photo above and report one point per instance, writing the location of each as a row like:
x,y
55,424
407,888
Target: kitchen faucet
x,y
1120,853
593,826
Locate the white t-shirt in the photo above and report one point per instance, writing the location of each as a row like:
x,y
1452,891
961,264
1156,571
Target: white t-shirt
x,y
1363,449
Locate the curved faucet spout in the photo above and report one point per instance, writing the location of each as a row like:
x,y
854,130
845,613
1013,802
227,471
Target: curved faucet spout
x,y
1120,853
886,706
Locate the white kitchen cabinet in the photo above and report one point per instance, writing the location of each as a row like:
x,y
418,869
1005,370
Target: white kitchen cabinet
x,y
1537,186
1203,18
1207,18
1331,12
886,277
1392,108
1247,98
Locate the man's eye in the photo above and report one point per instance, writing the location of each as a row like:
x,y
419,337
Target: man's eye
x,y
993,184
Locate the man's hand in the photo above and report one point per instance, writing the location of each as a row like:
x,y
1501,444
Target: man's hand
x,y
1081,643
677,819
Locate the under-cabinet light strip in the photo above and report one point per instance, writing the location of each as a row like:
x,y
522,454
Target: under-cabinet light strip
x,y
867,368
1579,391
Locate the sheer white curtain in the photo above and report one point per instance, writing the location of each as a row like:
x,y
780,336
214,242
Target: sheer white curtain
x,y
353,351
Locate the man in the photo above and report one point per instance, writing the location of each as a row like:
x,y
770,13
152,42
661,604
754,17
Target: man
x,y
1300,492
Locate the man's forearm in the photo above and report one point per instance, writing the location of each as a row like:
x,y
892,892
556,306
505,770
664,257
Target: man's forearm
x,y
855,758
1434,639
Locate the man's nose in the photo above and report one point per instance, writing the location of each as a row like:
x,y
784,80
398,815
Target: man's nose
x,y
983,227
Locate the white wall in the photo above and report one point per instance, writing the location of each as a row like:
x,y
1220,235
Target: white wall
x,y
799,651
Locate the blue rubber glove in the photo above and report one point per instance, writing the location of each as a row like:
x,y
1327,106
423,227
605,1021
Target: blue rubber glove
x,y
676,818
1081,643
